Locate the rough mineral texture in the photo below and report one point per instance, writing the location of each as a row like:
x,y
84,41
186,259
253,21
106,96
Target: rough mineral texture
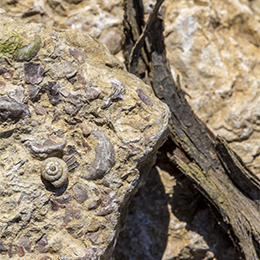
x,y
101,19
214,47
76,142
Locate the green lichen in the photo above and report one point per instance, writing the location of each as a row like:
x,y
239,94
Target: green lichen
x,y
14,46
11,45
29,51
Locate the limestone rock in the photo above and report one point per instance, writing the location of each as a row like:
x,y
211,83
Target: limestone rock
x,y
76,142
214,46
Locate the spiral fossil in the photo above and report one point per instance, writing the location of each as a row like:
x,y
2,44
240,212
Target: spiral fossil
x,y
55,171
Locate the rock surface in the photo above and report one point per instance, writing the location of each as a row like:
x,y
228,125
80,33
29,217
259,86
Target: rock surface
x,y
212,45
101,19
76,142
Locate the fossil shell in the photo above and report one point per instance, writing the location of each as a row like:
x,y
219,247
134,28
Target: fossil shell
x,y
118,92
104,158
46,149
9,108
55,171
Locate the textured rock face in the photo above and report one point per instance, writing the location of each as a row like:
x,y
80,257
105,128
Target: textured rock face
x,y
101,19
214,46
77,140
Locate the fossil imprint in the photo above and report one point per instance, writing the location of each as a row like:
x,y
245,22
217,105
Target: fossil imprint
x,y
55,171
68,119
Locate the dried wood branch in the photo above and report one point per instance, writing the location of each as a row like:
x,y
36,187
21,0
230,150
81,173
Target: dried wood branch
x,y
218,173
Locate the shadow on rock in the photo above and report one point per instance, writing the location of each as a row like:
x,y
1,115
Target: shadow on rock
x,y
207,240
170,220
145,234
193,224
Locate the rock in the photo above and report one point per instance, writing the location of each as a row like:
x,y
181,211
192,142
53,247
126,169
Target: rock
x,y
113,40
206,46
80,193
33,91
100,146
9,108
42,245
100,19
214,48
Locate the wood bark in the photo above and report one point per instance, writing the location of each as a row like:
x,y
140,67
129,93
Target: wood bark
x,y
220,175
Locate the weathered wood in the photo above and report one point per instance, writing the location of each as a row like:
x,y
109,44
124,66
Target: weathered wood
x,y
219,174
133,23
242,177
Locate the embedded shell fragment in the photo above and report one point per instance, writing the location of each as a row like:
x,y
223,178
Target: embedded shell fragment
x,y
68,105
104,157
55,171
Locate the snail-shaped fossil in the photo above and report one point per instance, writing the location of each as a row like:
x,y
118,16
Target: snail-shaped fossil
x,y
55,171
